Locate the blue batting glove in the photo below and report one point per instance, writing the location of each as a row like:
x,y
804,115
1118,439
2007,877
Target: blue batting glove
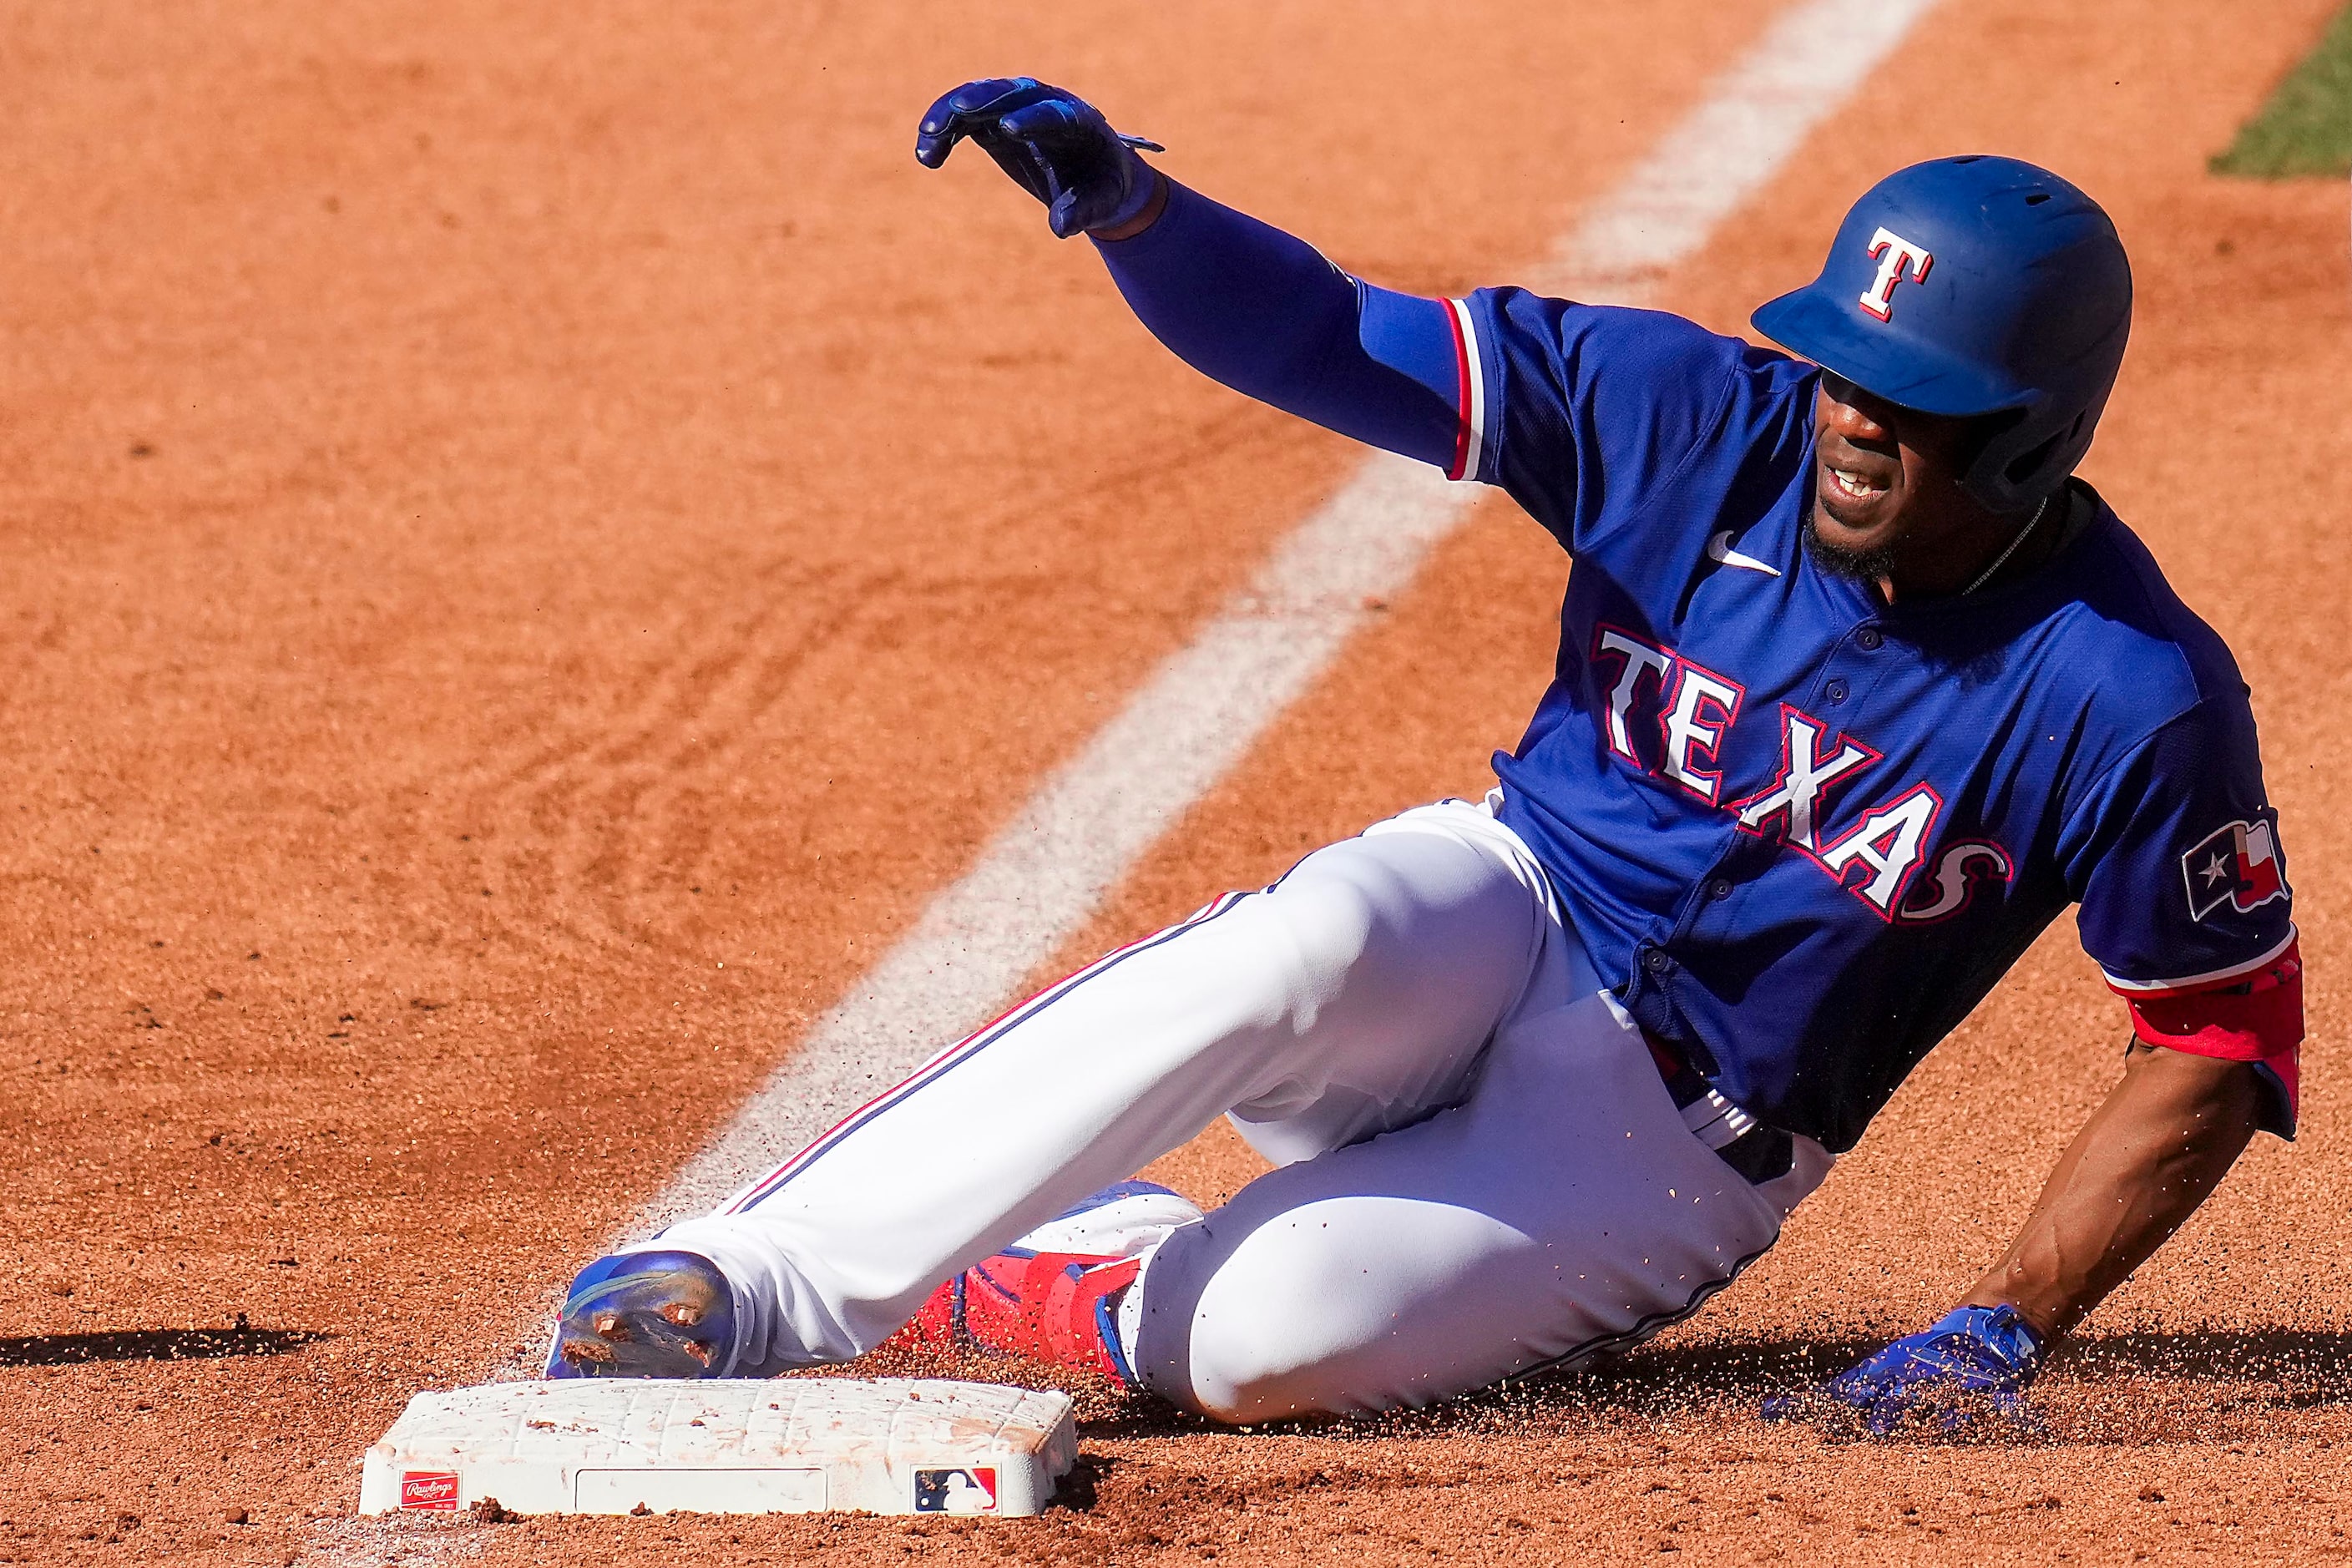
x,y
1976,1360
1058,145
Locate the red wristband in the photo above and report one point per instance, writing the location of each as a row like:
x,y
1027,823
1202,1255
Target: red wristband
x,y
2255,1017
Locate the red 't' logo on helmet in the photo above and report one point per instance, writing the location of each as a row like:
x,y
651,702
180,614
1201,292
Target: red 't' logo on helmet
x,y
1895,253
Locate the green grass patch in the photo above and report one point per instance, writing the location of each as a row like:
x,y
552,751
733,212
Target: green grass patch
x,y
2307,126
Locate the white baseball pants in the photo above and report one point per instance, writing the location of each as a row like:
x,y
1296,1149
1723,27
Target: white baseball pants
x,y
1481,1170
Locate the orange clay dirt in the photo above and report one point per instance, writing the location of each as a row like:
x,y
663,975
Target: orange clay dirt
x,y
510,509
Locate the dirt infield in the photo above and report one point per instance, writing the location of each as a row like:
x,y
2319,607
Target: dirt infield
x,y
537,538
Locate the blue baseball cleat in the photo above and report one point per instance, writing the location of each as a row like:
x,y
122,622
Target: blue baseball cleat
x,y
646,1314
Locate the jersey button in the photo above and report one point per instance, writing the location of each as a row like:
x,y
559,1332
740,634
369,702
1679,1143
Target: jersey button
x,y
1836,688
1655,961
1720,888
1869,638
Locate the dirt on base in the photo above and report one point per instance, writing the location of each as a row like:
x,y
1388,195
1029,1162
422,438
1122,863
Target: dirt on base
x,y
538,538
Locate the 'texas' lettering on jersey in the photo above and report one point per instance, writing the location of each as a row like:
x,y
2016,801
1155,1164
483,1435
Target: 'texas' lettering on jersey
x,y
1875,859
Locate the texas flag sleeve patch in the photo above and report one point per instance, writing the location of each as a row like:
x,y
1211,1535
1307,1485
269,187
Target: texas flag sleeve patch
x,y
2235,865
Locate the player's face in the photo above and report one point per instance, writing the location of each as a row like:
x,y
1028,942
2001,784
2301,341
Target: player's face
x,y
1887,501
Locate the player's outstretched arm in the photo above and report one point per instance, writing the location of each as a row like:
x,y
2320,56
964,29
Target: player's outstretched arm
x,y
1238,300
2149,1156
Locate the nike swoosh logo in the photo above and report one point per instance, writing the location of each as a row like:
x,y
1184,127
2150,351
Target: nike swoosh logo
x,y
1719,549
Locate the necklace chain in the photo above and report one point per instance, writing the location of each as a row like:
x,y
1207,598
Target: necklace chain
x,y
2001,560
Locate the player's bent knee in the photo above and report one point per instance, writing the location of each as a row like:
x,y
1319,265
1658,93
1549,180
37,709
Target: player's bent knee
x,y
1290,1357
1346,899
1306,934
1277,1326
1233,1379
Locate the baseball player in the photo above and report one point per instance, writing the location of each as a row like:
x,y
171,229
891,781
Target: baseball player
x,y
1858,689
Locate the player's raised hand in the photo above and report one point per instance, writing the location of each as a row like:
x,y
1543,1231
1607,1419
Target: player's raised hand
x,y
1058,145
1968,1371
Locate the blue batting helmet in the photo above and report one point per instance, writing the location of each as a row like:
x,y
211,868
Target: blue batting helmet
x,y
1975,286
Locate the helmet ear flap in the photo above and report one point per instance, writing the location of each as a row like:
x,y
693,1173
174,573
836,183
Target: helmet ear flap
x,y
2031,457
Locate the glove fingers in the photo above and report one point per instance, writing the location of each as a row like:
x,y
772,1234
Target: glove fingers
x,y
1021,161
1884,1416
1074,145
1049,120
935,133
1065,216
968,111
1055,145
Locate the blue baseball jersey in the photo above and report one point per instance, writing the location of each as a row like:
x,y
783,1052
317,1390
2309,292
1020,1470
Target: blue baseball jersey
x,y
1803,832
1806,830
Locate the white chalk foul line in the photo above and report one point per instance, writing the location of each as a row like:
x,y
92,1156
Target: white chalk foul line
x,y
1040,878
1092,818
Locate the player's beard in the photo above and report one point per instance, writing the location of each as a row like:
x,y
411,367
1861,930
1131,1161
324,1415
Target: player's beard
x,y
1863,565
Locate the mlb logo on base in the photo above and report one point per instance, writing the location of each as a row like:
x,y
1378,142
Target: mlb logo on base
x,y
429,1488
2236,865
971,1490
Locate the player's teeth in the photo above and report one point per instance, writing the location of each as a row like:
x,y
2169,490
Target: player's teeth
x,y
1852,483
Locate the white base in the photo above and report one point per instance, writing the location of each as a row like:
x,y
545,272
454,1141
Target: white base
x,y
725,1445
